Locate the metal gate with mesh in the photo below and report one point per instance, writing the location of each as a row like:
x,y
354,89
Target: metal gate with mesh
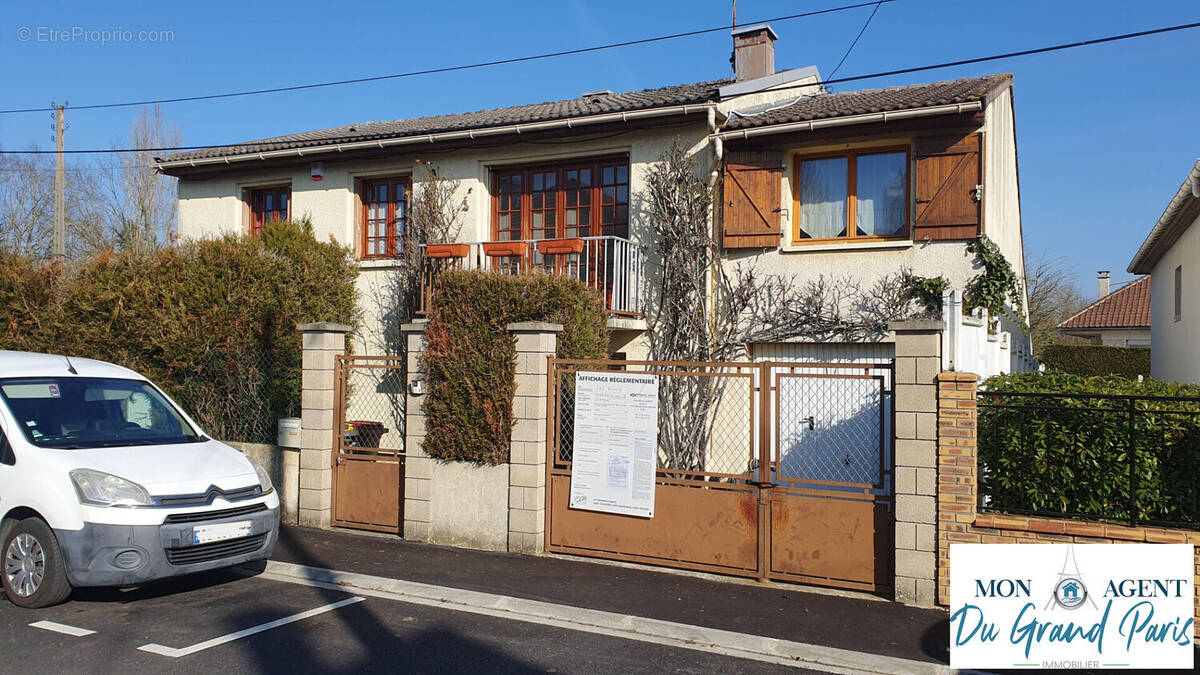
x,y
770,470
368,452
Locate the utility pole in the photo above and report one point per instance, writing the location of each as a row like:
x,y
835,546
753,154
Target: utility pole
x,y
60,186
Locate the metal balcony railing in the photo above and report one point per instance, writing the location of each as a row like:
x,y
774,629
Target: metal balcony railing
x,y
612,266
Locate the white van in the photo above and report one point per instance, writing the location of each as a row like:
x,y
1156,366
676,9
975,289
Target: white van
x,y
104,481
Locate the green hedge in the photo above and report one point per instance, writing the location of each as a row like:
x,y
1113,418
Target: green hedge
x,y
213,322
1071,454
470,358
1097,360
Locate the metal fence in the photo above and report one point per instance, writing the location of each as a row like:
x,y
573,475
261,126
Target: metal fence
x,y
239,395
1120,458
706,418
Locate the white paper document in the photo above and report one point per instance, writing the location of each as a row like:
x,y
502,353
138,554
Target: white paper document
x,y
615,443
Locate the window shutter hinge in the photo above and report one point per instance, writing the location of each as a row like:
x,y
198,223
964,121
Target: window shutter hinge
x,y
979,193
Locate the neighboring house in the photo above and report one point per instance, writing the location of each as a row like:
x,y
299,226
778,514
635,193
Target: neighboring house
x,y
1171,256
1117,319
852,184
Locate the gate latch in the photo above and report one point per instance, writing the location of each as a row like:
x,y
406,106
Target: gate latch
x,y
811,421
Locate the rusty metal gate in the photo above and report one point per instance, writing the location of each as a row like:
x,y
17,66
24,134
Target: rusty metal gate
x,y
368,443
779,471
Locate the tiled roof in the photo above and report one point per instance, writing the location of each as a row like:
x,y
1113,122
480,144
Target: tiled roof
x,y
700,92
843,104
1128,307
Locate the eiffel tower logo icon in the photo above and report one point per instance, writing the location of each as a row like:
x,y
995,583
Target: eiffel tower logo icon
x,y
1069,591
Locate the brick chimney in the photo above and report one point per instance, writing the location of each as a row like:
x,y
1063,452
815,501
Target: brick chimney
x,y
1102,277
753,52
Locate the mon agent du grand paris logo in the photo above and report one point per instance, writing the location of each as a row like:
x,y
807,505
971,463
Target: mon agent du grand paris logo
x,y
1072,606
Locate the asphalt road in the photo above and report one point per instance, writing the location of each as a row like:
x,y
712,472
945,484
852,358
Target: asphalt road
x,y
371,635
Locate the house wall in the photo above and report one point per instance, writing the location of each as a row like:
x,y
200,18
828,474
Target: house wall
x,y
869,262
1175,345
213,206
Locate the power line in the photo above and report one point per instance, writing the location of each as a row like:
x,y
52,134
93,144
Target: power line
x,y
853,78
856,39
448,69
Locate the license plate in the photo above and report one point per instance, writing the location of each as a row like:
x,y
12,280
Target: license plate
x,y
206,534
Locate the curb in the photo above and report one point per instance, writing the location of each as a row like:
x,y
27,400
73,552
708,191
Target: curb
x,y
668,633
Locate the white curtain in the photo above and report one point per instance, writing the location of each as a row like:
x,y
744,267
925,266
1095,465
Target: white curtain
x,y
881,194
823,198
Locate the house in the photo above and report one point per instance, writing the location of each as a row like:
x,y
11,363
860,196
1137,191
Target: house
x,y
852,185
1171,256
1117,319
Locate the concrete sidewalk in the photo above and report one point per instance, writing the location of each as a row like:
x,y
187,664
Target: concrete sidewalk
x,y
783,612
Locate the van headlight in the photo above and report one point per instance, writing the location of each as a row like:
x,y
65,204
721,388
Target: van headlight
x,y
264,480
104,489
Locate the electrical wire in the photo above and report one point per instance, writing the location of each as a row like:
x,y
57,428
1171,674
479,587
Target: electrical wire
x,y
856,39
853,78
446,69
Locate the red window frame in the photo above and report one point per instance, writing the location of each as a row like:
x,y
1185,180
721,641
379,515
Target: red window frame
x,y
599,208
384,216
269,204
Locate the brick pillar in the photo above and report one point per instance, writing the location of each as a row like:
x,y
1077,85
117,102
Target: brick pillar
x,y
536,343
918,362
957,456
418,466
321,343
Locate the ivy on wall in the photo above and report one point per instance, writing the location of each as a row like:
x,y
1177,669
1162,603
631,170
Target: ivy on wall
x,y
998,288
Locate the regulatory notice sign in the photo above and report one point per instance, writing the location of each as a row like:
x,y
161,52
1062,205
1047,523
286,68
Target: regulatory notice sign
x,y
616,443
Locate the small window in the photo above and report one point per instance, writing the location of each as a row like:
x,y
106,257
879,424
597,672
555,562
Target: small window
x,y
385,217
860,195
268,205
1178,293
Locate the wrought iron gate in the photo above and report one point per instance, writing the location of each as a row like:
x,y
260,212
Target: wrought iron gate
x,y
768,470
368,445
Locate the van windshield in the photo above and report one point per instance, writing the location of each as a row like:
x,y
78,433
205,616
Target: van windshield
x,y
93,412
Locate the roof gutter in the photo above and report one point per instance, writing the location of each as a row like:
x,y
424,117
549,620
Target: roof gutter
x,y
812,125
466,134
1145,259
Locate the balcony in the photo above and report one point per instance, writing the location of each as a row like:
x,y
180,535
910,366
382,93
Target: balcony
x,y
612,266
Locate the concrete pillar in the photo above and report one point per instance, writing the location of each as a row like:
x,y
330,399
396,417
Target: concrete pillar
x,y
536,343
418,465
918,363
321,342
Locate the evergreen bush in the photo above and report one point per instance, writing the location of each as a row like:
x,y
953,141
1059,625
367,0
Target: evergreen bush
x,y
470,358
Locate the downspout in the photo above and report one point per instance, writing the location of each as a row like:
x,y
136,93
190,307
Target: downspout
x,y
714,173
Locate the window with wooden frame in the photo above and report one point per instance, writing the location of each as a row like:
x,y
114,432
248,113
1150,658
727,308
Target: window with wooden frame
x,y
854,195
577,198
267,205
385,216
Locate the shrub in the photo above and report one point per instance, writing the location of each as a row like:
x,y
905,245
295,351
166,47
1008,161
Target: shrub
x,y
212,322
470,358
1072,454
1097,360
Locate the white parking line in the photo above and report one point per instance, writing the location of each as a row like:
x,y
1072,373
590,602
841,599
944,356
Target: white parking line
x,y
62,628
656,631
184,651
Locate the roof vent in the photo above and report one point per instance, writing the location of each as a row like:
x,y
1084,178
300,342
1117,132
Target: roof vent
x,y
596,94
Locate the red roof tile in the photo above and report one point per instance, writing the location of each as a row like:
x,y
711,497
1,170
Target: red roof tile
x,y
1128,307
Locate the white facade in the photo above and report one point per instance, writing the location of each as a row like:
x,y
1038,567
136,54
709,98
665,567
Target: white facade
x,y
215,205
1175,342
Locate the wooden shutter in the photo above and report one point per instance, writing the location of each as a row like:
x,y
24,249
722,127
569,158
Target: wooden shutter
x,y
947,174
753,198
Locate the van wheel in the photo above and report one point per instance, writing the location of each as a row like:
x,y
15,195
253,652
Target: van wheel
x,y
31,565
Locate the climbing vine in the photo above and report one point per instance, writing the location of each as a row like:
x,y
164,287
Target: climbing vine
x,y
998,288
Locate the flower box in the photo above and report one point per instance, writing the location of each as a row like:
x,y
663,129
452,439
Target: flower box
x,y
560,246
504,249
447,250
